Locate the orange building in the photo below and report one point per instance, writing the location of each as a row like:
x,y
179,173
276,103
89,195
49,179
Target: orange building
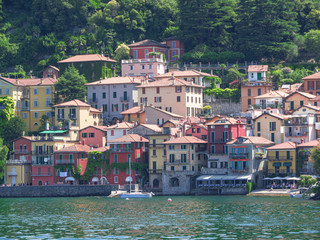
x,y
296,100
312,84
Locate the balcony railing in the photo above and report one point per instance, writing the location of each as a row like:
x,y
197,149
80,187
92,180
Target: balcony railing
x,y
296,134
25,96
211,171
21,151
239,171
93,100
295,123
72,116
155,171
12,174
239,156
115,150
177,162
261,82
41,153
124,99
24,108
221,140
49,162
17,161
273,158
146,60
64,161
41,174
281,171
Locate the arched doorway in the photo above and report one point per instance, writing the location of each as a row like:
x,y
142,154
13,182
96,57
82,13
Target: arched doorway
x,y
103,180
40,183
174,182
155,183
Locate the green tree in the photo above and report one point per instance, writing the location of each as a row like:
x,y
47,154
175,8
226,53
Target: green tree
x,y
122,52
315,158
3,157
265,28
71,85
313,42
15,129
6,112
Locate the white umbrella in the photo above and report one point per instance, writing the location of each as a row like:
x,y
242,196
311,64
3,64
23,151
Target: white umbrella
x,y
277,178
293,178
267,178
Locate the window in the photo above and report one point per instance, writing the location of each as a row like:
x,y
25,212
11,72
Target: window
x,y
105,107
178,89
135,54
213,148
171,147
157,99
35,102
84,135
212,137
35,91
114,94
143,90
82,156
71,158
249,101
104,95
60,113
272,137
115,179
183,158
124,132
173,44
158,90
146,54
128,156
301,103
1,91
178,99
183,146
172,168
48,90
249,92
24,115
115,159
198,130
171,158
272,126
259,91
131,67
91,135
259,126
154,152
112,132
150,66
173,55
48,102
35,115
116,171
142,67
288,155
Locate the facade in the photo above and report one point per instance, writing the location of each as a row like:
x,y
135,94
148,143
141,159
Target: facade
x,y
65,159
273,99
134,114
150,67
282,159
76,115
176,49
270,126
256,85
159,116
146,129
94,136
312,84
113,95
173,95
118,130
32,98
129,148
92,66
303,152
199,131
51,72
296,100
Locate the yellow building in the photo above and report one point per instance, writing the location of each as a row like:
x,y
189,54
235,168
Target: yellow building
x,y
134,114
32,98
270,126
282,159
76,115
17,172
173,95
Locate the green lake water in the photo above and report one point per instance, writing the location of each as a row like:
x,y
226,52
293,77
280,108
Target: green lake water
x,y
194,217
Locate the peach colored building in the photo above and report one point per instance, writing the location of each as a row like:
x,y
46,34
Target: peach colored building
x,y
312,84
173,95
134,114
296,100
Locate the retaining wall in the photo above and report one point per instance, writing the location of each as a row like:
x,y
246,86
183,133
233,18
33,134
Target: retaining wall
x,y
57,191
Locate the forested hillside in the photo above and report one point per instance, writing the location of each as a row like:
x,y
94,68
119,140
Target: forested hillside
x,y
36,33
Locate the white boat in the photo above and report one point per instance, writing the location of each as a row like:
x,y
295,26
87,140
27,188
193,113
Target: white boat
x,y
134,194
302,193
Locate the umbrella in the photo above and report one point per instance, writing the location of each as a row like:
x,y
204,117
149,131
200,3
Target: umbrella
x,y
277,178
293,178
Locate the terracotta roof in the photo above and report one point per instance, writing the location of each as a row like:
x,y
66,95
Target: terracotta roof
x,y
307,95
153,127
102,128
315,108
117,80
31,81
168,82
251,140
276,115
87,58
95,110
285,145
273,94
129,138
75,148
188,73
313,143
312,76
73,103
290,87
226,121
101,149
185,139
122,125
148,42
166,112
258,68
133,110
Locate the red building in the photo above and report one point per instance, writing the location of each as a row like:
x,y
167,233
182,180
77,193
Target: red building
x,y
94,136
22,149
67,158
222,131
172,49
133,148
199,131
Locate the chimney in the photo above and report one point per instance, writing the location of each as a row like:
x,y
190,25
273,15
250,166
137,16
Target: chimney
x,y
172,76
100,80
118,123
41,79
17,81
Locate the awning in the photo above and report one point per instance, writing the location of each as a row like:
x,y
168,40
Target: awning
x,y
287,164
129,179
278,178
267,178
293,178
95,179
203,177
53,131
276,164
70,179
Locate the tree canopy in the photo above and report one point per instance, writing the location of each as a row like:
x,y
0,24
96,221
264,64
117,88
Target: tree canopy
x,y
3,157
14,129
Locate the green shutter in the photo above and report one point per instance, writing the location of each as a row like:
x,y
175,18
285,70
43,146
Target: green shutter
x,y
276,164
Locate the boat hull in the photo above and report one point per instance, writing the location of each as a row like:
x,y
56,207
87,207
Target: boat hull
x,y
136,195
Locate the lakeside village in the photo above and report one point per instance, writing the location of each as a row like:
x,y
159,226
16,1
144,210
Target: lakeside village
x,y
156,122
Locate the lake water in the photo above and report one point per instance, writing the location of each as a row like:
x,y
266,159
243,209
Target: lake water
x,y
194,217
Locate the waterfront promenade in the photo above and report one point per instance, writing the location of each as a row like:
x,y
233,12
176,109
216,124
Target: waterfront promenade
x,y
274,192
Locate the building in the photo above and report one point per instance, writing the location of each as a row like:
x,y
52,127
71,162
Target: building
x,y
270,126
93,66
256,85
311,84
150,67
69,158
131,148
146,129
154,115
273,99
118,130
94,136
76,115
173,95
282,159
114,95
304,163
32,98
199,131
134,114
220,132
176,49
296,100
51,72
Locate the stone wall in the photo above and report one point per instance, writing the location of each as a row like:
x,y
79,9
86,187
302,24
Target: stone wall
x,y
185,179
57,191
225,107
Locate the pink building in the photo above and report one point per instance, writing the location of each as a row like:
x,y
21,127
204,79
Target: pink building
x,y
94,136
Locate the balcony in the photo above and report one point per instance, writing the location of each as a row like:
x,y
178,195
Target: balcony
x,y
72,116
64,161
42,162
177,162
296,134
214,171
41,174
25,108
120,150
274,158
221,140
60,117
239,156
12,174
17,161
146,60
93,100
41,153
296,122
155,171
281,171
239,171
124,99
25,96
157,146
21,151
261,83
